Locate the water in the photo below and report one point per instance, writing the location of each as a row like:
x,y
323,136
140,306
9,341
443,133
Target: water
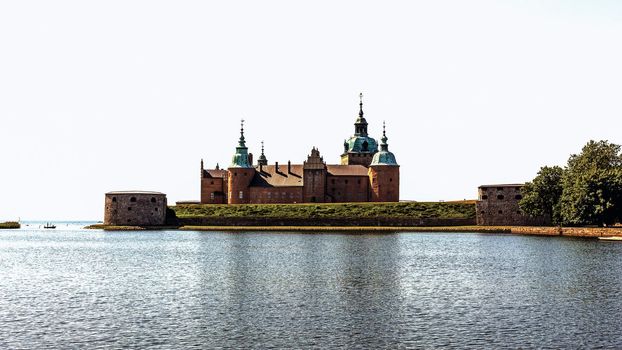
x,y
69,288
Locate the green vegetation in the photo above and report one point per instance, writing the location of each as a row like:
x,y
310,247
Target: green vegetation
x,y
541,197
443,210
590,185
352,229
9,225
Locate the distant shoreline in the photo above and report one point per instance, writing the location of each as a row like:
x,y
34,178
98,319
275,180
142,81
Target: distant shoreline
x,y
518,230
9,225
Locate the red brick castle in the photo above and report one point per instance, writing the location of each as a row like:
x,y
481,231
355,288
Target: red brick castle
x,y
366,174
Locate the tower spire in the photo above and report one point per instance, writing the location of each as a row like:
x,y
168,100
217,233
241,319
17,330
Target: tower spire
x,y
262,160
241,156
361,105
384,146
360,127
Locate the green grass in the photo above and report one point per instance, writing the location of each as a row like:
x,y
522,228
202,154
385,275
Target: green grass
x,y
10,224
351,229
417,210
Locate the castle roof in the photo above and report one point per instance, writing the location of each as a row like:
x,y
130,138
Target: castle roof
x,y
270,177
135,192
215,173
384,156
346,170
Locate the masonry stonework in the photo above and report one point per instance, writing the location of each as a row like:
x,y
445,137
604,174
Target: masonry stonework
x,y
135,208
497,205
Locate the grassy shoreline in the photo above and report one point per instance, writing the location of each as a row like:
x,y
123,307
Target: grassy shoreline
x,y
9,225
585,232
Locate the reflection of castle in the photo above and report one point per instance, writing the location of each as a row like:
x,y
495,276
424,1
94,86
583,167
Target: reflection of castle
x,y
365,174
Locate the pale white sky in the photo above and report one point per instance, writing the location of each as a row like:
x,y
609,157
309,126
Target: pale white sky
x,y
118,95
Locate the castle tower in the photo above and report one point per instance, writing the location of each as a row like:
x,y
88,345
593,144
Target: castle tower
x,y
384,174
240,173
262,160
359,148
314,178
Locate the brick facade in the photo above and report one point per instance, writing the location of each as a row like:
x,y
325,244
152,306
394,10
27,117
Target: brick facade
x,y
365,174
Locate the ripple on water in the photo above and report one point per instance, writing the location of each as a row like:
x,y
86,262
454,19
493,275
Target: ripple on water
x,y
197,290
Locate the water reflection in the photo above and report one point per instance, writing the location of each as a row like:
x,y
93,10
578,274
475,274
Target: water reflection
x,y
284,290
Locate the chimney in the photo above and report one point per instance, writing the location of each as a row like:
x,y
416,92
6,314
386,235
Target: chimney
x,y
250,159
276,167
289,166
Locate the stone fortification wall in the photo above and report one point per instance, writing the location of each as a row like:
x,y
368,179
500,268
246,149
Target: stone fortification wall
x,y
378,221
135,208
497,205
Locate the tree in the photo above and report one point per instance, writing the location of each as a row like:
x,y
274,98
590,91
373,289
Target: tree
x,y
592,185
541,197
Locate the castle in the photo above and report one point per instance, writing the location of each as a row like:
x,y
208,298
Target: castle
x,y
366,174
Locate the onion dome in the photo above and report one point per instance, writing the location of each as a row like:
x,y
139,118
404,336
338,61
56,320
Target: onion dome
x,y
240,158
384,157
361,141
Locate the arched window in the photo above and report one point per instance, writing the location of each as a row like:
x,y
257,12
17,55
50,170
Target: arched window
x,y
133,199
500,197
153,200
114,199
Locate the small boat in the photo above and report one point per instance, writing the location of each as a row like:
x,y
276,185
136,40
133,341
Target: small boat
x,y
48,225
611,238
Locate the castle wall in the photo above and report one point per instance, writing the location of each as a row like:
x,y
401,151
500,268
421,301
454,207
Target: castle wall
x,y
135,208
276,194
384,183
497,205
238,185
341,189
213,191
363,159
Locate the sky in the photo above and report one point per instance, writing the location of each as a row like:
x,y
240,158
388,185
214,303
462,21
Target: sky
x,y
97,96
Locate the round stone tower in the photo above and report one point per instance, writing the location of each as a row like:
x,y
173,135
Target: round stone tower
x,y
241,172
384,174
135,208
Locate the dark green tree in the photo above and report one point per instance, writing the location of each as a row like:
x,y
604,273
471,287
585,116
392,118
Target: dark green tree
x,y
592,185
541,197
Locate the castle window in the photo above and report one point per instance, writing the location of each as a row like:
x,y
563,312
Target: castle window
x,y
153,200
241,194
346,182
212,195
334,190
332,181
518,196
114,199
245,174
129,220
500,211
500,196
483,213
133,199
484,196
235,174
211,182
156,208
499,188
359,181
390,180
129,208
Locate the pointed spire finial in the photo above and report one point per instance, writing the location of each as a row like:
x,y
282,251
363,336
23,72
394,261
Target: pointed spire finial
x,y
361,105
261,146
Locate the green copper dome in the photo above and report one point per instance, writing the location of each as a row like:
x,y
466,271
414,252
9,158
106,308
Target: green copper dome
x,y
384,157
240,158
361,144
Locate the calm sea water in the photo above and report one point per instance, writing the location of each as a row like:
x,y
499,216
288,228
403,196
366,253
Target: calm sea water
x,y
70,288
